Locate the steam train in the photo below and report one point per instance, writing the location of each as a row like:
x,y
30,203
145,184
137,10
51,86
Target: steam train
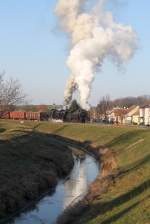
x,y
72,114
78,115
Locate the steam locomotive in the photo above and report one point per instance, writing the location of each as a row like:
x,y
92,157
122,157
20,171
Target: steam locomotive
x,y
78,115
72,114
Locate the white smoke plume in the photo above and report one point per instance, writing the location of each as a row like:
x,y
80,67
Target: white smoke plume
x,y
94,36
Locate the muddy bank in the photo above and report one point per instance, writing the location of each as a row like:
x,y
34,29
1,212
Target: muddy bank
x,y
30,165
105,178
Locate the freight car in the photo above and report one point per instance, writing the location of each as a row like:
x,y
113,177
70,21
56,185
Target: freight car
x,y
33,116
17,115
20,115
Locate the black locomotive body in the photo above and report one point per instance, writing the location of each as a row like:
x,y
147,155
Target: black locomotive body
x,y
77,116
73,114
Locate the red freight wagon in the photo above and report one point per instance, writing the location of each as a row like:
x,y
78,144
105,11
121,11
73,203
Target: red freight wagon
x,y
34,116
17,115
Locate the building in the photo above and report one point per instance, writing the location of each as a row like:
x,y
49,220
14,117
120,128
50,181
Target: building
x,y
117,115
133,115
145,115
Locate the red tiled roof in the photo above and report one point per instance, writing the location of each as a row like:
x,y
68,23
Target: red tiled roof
x,y
119,112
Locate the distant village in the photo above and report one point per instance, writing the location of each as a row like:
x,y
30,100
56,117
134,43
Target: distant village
x,y
127,111
134,115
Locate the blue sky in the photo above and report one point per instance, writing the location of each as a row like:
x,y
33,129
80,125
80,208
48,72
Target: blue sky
x,y
33,50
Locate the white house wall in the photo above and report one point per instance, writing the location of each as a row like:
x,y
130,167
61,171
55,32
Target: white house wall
x,y
147,116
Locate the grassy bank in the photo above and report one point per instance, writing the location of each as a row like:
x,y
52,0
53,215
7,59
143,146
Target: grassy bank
x,y
30,163
127,201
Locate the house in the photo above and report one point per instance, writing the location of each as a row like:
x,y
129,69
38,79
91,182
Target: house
x,y
133,115
136,118
145,115
117,115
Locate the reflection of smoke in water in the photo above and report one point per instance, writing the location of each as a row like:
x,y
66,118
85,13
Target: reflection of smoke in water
x,y
77,184
51,206
95,36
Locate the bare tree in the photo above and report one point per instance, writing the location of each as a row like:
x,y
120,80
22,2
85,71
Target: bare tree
x,y
11,93
104,105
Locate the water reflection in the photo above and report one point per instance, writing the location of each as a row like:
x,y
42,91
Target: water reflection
x,y
68,192
77,185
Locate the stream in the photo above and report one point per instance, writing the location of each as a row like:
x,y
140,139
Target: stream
x,y
67,192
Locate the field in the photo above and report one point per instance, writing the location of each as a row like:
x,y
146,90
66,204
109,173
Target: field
x,y
127,201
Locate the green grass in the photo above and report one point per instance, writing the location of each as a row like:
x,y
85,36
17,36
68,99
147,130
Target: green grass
x,y
128,199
